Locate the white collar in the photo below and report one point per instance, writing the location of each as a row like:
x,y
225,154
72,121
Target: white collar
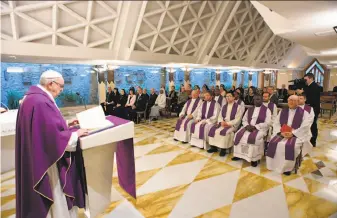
x,y
302,106
47,92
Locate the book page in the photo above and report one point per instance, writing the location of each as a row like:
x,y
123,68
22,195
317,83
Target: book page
x,y
93,119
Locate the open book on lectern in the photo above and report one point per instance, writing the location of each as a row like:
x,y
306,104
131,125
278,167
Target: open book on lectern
x,y
93,119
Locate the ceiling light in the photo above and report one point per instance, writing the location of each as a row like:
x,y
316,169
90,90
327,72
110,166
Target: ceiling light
x,y
333,62
12,56
112,67
15,70
329,52
325,33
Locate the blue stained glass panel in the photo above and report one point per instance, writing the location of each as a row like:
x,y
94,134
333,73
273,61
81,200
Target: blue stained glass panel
x,y
203,76
226,79
245,79
254,79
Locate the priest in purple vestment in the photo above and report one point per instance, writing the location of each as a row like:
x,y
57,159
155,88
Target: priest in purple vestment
x,y
219,98
207,116
50,175
290,130
186,118
249,140
273,109
307,146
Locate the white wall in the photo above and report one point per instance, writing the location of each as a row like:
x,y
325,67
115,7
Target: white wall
x,y
333,78
283,77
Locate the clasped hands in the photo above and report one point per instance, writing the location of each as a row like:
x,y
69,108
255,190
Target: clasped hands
x,y
287,135
250,128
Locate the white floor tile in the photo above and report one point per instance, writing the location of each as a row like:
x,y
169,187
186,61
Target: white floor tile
x,y
273,176
255,170
142,150
328,194
125,209
155,161
172,176
298,184
267,204
207,195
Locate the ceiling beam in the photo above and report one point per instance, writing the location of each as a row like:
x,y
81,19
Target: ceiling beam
x,y
264,50
36,36
115,24
55,24
14,20
218,40
86,30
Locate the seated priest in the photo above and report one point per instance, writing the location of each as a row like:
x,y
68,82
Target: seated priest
x,y
219,98
221,135
182,99
207,116
238,100
290,130
307,146
249,140
186,118
273,109
158,105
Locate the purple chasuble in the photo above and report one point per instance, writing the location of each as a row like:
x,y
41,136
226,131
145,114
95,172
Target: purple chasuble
x,y
42,136
179,122
290,144
224,112
307,108
220,100
204,116
260,119
271,107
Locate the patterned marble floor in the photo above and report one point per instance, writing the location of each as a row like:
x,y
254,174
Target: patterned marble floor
x,y
177,180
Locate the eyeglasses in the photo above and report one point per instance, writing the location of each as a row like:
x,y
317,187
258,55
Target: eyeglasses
x,y
60,85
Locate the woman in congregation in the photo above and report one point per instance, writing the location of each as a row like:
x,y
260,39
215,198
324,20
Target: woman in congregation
x,y
204,90
173,95
122,112
158,105
119,108
249,99
115,97
223,91
238,90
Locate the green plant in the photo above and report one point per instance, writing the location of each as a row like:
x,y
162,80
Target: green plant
x,y
13,98
69,97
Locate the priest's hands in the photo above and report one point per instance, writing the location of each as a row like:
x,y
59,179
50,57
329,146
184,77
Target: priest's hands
x,y
118,105
197,121
250,128
73,123
190,116
133,107
2,110
82,132
224,124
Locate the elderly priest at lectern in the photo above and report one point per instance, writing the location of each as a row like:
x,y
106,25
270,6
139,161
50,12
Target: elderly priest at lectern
x,y
50,177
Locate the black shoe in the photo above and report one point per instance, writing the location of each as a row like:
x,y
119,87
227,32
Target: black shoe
x,y
184,142
287,173
235,158
253,163
212,149
222,152
176,140
313,142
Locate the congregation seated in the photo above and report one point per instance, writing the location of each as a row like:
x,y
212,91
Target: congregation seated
x,y
152,100
283,93
121,111
139,105
290,130
249,99
273,109
186,118
219,98
273,96
173,95
123,98
146,95
307,146
108,104
159,104
249,140
221,135
206,118
223,91
182,99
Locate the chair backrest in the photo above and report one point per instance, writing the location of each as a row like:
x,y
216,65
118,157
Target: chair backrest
x,y
328,98
327,106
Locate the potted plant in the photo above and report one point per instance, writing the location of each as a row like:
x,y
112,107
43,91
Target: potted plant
x,y
68,99
13,98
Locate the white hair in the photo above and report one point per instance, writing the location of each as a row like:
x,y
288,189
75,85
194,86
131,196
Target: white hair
x,y
49,76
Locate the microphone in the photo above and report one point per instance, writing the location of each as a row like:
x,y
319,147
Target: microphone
x,y
83,102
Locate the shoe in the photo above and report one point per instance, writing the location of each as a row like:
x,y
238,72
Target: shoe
x,y
175,140
212,150
235,159
287,173
253,163
222,152
184,142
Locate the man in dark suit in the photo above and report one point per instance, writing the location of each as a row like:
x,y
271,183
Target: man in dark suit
x,y
320,87
139,105
145,94
152,100
334,89
313,93
283,93
273,97
108,105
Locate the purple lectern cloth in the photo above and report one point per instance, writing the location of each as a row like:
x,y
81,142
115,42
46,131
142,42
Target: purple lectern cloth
x,y
42,136
125,159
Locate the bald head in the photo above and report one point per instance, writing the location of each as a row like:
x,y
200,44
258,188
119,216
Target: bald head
x,y
293,101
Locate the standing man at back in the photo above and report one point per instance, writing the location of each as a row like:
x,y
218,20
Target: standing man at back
x,y
313,93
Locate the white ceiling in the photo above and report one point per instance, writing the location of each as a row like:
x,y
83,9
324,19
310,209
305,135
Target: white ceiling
x,y
158,32
308,23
